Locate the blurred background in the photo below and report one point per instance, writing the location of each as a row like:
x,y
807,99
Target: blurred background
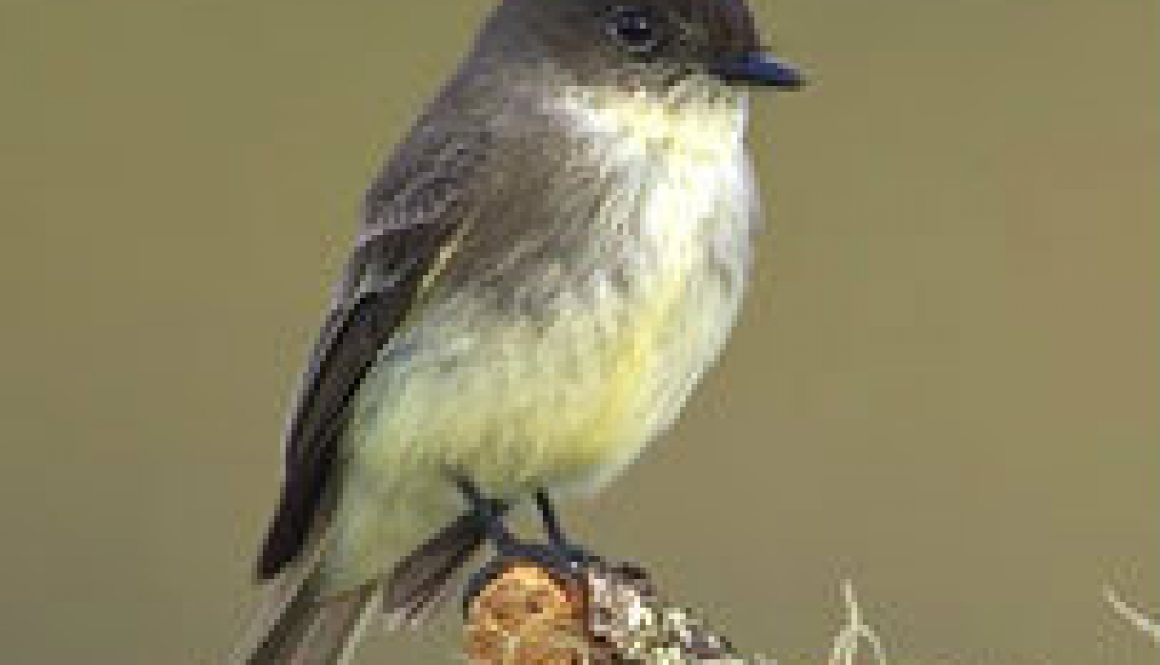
x,y
945,385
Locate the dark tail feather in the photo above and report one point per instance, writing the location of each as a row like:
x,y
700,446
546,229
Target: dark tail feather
x,y
299,628
423,579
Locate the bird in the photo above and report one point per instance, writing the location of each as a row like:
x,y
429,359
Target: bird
x,y
547,265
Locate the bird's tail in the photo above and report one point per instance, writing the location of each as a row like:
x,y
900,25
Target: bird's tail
x,y
424,578
296,625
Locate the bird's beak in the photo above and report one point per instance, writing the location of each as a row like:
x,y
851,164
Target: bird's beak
x,y
761,69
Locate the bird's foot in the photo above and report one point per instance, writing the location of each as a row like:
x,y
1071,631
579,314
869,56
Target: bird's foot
x,y
559,557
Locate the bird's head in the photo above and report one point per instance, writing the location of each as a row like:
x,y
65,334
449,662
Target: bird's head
x,y
651,46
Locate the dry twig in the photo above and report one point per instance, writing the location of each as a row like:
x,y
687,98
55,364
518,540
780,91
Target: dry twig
x,y
1132,615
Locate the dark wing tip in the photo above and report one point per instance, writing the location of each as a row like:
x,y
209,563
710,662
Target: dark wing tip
x,y
288,532
278,549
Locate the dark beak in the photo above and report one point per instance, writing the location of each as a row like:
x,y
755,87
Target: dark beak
x,y
760,69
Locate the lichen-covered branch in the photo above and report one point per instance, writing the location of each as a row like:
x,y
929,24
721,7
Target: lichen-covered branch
x,y
526,613
606,613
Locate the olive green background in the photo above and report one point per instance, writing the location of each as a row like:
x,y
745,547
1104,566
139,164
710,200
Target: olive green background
x,y
945,385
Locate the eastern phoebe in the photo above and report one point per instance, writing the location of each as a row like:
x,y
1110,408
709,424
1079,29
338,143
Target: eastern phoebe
x,y
547,266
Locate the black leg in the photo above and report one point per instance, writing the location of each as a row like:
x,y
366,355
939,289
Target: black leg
x,y
489,511
560,543
551,520
558,556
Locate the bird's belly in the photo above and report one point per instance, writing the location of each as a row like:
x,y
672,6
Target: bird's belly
x,y
522,404
517,406
569,393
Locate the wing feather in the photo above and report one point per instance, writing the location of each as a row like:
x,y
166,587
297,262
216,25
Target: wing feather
x,y
413,209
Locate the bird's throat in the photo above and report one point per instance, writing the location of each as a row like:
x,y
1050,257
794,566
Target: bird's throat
x,y
707,125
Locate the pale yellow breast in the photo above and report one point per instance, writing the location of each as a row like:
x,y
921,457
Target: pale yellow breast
x,y
519,403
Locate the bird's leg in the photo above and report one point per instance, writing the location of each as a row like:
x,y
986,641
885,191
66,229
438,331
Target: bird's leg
x,y
488,511
573,554
558,557
509,549
551,520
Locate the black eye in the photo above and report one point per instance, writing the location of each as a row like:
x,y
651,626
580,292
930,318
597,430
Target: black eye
x,y
635,28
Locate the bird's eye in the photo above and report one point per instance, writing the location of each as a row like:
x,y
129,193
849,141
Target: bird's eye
x,y
634,27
